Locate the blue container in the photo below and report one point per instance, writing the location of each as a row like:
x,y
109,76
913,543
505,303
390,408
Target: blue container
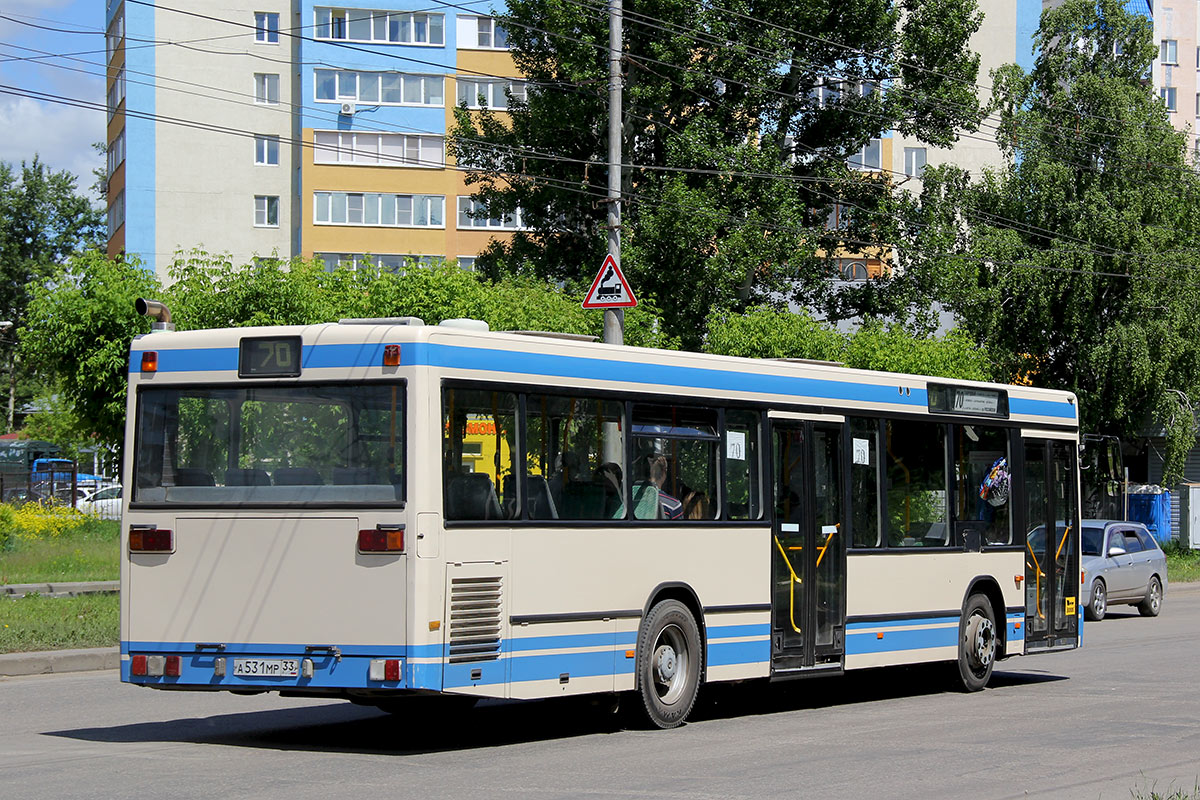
x,y
1153,511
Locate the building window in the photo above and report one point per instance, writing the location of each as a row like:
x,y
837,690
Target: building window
x,y
481,33
116,152
1168,95
867,158
380,261
466,262
392,27
379,210
266,28
378,88
489,93
381,149
266,150
1168,51
116,32
914,161
473,213
266,211
116,92
116,213
266,88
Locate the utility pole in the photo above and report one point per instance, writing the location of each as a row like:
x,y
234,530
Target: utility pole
x,y
614,318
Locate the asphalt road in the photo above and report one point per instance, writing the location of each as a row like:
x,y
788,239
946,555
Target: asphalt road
x,y
1121,715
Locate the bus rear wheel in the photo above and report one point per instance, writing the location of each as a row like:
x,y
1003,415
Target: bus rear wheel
x,y
669,664
977,643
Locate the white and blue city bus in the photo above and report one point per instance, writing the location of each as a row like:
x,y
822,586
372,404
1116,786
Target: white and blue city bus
x,y
382,509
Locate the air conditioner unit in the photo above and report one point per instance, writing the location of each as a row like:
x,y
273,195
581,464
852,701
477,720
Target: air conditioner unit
x,y
347,108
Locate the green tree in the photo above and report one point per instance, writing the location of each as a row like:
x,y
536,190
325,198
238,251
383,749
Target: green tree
x,y
737,126
1077,262
767,333
43,219
78,331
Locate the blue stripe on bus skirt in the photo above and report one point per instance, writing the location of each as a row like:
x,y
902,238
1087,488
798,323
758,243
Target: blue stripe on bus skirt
x,y
327,356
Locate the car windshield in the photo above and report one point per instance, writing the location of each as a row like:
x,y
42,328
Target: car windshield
x,y
1093,540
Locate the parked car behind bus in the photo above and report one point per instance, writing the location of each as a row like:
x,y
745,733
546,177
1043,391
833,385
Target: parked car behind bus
x,y
1122,564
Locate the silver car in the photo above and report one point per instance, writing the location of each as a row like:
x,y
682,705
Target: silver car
x,y
1122,564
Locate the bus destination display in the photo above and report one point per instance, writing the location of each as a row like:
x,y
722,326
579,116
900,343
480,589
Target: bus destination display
x,y
269,357
961,400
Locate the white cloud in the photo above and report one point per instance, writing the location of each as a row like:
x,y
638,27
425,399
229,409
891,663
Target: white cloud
x,y
61,135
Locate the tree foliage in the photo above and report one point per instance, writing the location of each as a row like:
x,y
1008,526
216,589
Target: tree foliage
x,y
1077,262
737,125
767,333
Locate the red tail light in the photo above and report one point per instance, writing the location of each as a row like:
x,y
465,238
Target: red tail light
x,y
137,665
150,540
391,669
173,667
381,540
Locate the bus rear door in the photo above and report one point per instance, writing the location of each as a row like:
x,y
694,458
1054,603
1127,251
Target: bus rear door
x,y
808,573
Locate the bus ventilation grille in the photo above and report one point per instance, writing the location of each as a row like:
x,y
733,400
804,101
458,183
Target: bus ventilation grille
x,y
475,619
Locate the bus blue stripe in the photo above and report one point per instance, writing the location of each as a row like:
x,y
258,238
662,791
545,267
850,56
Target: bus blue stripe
x,y
542,364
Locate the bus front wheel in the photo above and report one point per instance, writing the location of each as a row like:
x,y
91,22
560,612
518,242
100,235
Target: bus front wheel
x,y
669,663
977,643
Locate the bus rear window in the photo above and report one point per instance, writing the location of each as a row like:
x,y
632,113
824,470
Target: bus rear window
x,y
314,444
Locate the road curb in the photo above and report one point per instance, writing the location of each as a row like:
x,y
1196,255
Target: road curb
x,y
46,662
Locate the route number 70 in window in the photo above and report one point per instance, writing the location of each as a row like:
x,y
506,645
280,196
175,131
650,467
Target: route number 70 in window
x,y
269,357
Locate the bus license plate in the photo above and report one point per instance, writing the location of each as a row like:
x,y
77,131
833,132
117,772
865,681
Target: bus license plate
x,y
266,667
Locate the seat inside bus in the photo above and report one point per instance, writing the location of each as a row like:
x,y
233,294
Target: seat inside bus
x,y
471,496
298,476
247,477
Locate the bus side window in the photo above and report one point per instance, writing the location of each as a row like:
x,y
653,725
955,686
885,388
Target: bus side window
x,y
981,482
865,499
478,446
742,496
916,484
575,451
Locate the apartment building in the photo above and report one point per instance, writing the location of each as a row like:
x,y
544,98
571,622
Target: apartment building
x,y
293,127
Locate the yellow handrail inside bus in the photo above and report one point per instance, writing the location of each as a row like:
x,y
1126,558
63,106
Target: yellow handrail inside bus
x,y
1037,580
792,594
825,546
1066,533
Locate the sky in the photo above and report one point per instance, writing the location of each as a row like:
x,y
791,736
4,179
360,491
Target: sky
x,y
61,135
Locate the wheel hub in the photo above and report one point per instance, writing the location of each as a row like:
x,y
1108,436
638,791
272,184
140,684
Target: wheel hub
x,y
981,634
665,663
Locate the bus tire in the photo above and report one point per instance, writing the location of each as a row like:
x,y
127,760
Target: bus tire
x,y
670,662
977,643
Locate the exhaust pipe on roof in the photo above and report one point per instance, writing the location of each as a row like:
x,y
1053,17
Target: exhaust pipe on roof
x,y
157,311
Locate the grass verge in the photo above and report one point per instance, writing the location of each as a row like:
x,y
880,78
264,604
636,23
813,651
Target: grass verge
x,y
34,622
1183,565
79,549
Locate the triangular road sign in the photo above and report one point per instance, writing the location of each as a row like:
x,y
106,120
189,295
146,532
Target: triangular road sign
x,y
610,289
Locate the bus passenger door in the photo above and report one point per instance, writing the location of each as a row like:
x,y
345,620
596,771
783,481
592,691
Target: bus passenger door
x,y
1051,545
808,610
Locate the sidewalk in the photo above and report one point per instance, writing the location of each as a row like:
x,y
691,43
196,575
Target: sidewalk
x,y
58,589
55,661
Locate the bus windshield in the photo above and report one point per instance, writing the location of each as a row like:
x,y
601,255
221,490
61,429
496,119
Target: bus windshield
x,y
312,444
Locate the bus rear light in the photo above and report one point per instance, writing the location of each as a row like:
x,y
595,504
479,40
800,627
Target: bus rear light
x,y
391,355
149,361
148,539
137,666
173,667
381,669
156,666
381,540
